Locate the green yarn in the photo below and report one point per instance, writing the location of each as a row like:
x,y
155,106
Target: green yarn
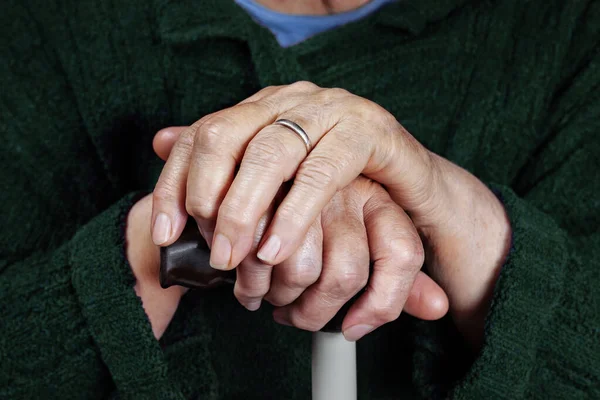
x,y
508,89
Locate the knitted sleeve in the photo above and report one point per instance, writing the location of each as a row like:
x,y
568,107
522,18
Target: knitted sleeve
x,y
542,334
71,326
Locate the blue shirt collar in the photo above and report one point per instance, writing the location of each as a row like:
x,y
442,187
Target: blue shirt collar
x,y
293,29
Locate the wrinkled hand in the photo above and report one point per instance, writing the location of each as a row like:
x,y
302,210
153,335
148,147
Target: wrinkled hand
x,y
463,226
361,223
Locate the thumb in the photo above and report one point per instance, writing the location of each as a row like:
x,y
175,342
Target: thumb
x,y
165,139
427,300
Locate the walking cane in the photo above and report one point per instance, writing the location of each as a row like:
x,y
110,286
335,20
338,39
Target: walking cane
x,y
186,263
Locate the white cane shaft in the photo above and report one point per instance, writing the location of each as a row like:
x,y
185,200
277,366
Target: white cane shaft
x,y
333,367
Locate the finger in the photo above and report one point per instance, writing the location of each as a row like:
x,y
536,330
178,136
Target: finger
x,y
168,207
219,145
217,142
325,171
173,200
302,269
426,300
397,254
165,139
367,143
253,277
345,268
270,158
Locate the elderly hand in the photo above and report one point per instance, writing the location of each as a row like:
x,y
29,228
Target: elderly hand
x,y
361,223
463,226
144,258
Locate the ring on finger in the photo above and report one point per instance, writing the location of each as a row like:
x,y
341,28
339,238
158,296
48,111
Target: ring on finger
x,y
297,129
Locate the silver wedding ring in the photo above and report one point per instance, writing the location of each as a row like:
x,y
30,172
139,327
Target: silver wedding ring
x,y
297,129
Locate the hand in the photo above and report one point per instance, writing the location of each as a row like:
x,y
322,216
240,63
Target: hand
x,y
361,223
144,258
463,225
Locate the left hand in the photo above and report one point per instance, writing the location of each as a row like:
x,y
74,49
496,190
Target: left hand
x,y
463,225
360,224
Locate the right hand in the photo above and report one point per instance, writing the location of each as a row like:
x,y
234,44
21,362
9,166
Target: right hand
x,y
361,223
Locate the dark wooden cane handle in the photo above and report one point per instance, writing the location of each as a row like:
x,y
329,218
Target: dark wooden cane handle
x,y
186,262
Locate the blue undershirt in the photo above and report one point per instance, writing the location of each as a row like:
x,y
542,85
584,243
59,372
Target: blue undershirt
x,y
293,29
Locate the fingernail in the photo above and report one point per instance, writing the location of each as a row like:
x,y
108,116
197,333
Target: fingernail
x,y
281,317
220,254
253,305
356,332
162,229
269,250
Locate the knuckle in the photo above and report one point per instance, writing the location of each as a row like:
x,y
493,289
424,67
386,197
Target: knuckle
x,y
304,86
266,151
244,292
339,92
165,192
387,312
186,139
266,91
365,110
353,282
292,216
275,299
200,208
318,173
267,104
233,215
254,280
370,107
301,275
211,131
328,95
411,256
345,285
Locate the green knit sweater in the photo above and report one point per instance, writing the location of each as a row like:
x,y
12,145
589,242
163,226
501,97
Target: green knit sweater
x,y
508,89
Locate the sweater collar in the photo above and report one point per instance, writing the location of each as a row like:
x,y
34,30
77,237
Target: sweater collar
x,y
183,21
414,15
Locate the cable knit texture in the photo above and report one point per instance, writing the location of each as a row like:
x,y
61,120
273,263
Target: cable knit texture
x,y
508,89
